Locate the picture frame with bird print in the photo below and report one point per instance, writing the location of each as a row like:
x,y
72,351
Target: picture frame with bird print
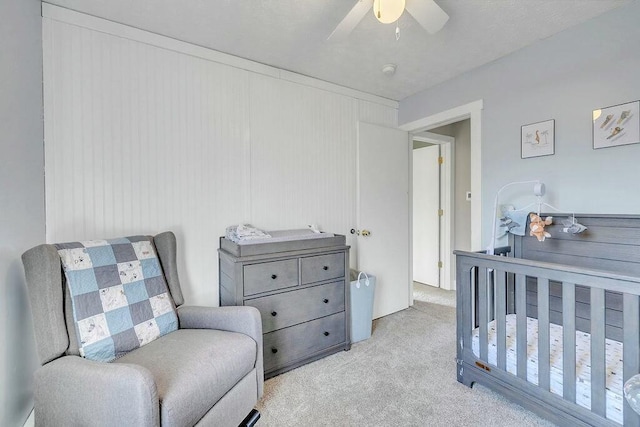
x,y
538,139
616,125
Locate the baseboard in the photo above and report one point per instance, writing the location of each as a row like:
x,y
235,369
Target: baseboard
x,y
31,421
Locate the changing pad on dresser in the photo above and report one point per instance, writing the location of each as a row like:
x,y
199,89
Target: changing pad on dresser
x,y
281,240
287,235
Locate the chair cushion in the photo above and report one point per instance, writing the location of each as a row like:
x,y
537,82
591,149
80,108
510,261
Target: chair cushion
x,y
193,369
119,295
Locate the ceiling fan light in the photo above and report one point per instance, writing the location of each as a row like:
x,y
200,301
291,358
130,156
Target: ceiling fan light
x,y
388,11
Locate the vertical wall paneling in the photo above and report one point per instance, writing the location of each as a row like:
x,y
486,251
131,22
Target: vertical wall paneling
x,y
142,139
302,156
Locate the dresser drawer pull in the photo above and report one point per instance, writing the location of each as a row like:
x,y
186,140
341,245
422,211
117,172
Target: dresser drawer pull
x,y
326,334
274,350
274,313
326,301
325,268
274,276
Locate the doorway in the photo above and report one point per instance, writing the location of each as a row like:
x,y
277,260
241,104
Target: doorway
x,y
464,230
431,217
441,209
473,112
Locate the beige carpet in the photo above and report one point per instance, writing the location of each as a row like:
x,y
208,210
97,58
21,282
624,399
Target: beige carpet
x,y
404,375
427,293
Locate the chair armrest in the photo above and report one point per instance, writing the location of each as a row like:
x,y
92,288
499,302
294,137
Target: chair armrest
x,y
72,390
243,319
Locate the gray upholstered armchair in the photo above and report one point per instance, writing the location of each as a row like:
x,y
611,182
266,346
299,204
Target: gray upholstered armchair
x,y
206,371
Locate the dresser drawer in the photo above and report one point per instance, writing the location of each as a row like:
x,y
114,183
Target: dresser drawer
x,y
302,305
321,267
269,276
297,342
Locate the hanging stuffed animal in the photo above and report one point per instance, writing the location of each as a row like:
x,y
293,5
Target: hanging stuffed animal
x,y
572,226
536,226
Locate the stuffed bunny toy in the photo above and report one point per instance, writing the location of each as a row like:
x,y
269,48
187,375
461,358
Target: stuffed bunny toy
x,y
536,226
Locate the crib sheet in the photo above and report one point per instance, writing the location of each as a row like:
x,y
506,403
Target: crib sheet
x,y
614,395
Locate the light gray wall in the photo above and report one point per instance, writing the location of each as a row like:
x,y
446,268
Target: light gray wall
x,y
420,144
462,134
21,196
461,131
564,77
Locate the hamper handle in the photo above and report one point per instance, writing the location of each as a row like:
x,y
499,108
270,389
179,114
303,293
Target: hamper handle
x,y
366,281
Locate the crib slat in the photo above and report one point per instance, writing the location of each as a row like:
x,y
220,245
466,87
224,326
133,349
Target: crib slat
x,y
598,361
544,373
482,312
501,320
630,356
521,325
569,341
473,296
464,320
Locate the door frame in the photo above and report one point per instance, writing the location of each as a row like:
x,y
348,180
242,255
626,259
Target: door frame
x,y
447,182
473,112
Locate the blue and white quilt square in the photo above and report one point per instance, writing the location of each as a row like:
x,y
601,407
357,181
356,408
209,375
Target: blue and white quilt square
x,y
101,255
120,297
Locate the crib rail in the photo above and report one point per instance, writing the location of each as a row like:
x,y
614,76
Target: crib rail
x,y
483,286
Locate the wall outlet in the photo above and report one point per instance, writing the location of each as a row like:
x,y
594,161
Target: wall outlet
x,y
468,196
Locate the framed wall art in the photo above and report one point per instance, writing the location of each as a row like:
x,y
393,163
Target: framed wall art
x,y
616,125
538,139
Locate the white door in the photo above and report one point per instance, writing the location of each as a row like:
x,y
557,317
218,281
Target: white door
x,y
426,221
383,211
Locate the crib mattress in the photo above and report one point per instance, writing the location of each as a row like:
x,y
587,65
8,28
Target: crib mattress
x,y
614,395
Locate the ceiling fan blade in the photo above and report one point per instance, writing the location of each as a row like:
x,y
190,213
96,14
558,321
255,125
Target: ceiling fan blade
x,y
428,14
350,21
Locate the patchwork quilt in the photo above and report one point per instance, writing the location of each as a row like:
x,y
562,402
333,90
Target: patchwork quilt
x,y
120,297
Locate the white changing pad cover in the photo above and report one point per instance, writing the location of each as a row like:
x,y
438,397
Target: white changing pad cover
x,y
286,235
614,395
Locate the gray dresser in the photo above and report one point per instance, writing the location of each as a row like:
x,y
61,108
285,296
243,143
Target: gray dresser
x,y
301,288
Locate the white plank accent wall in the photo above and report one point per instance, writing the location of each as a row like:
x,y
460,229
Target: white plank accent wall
x,y
305,174
142,139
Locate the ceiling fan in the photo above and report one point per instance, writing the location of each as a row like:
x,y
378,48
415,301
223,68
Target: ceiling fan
x,y
428,14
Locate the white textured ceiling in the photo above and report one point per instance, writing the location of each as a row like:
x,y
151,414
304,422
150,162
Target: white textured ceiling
x,y
291,34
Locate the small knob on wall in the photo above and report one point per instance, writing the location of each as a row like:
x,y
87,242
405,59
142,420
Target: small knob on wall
x,y
274,276
274,350
325,268
274,313
326,301
326,334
